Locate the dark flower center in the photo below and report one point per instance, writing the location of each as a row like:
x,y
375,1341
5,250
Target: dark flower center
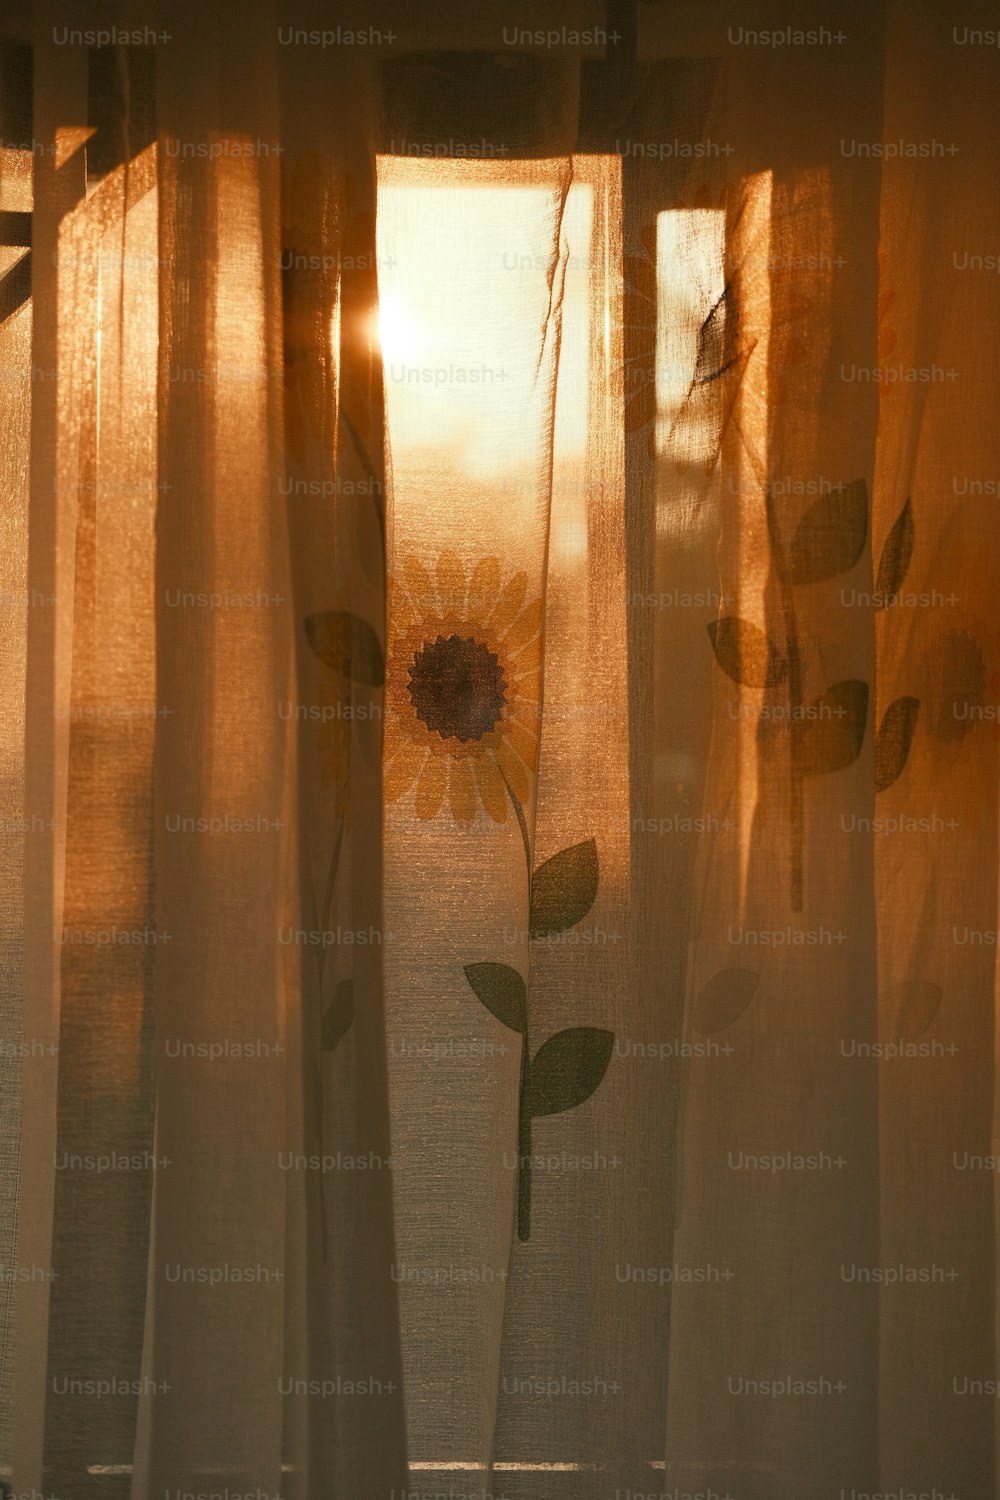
x,y
457,687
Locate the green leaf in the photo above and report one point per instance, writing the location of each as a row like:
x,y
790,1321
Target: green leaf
x,y
724,999
567,1069
563,889
338,1015
918,1003
502,991
347,645
831,535
745,653
893,739
896,555
832,736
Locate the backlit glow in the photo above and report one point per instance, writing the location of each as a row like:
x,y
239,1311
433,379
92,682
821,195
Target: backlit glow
x,y
400,334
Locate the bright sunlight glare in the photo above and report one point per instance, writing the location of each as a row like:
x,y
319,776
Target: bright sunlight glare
x,y
400,335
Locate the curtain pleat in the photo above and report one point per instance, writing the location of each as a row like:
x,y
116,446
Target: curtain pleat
x,y
108,939
210,1403
49,592
937,888
15,356
343,1331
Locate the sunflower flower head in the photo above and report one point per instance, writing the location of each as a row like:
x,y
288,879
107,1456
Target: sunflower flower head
x,y
463,672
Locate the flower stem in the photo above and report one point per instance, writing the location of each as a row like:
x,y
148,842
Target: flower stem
x,y
522,824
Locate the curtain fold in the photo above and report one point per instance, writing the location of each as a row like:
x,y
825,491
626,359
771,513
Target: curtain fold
x,y
224,825
343,1323
779,1153
936,972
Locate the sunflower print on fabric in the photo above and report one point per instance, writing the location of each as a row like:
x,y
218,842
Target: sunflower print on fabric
x,y
463,676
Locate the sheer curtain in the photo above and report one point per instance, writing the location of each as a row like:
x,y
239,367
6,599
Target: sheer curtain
x,y
500,688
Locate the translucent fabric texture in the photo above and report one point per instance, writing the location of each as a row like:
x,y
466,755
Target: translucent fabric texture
x,y
500,680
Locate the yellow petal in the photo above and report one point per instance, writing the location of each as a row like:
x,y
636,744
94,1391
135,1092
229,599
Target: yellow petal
x,y
451,584
400,612
521,739
398,663
484,590
524,740
430,787
400,774
397,711
422,596
492,791
524,628
514,770
509,604
525,690
392,737
462,790
526,661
